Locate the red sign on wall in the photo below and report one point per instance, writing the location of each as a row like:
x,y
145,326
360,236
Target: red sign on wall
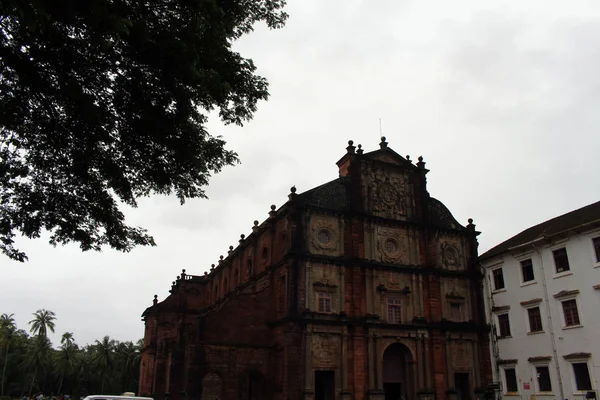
x,y
526,385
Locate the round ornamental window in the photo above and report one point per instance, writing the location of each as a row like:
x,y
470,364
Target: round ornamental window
x,y
390,246
324,236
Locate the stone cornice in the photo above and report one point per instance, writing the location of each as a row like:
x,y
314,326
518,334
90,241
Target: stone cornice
x,y
532,301
566,293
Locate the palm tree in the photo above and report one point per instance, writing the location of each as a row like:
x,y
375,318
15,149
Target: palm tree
x,y
38,355
128,356
104,357
65,358
44,320
67,339
7,329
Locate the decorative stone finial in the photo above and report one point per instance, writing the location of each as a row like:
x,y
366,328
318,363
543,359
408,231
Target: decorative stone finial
x,y
242,237
408,158
383,143
421,163
155,301
273,207
360,150
205,273
292,194
255,222
173,283
273,213
255,227
350,149
212,267
178,278
220,259
230,250
471,225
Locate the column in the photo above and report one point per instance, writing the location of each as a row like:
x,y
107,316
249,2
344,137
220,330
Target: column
x,y
370,363
345,394
420,361
378,365
308,291
342,307
428,371
449,370
309,375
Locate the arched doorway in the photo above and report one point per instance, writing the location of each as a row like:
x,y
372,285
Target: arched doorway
x,y
253,386
212,387
398,373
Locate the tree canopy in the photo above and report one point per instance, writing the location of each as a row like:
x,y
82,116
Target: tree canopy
x,y
103,102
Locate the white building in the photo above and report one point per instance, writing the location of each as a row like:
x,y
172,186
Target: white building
x,y
543,302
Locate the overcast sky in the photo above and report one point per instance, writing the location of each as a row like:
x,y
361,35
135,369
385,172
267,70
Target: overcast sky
x,y
501,98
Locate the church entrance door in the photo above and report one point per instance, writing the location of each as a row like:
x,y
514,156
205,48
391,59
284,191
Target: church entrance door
x,y
398,373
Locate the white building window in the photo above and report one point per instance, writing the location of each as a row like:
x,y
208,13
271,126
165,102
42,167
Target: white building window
x,y
534,316
581,376
561,260
527,271
571,313
543,380
596,244
503,325
394,311
511,385
498,278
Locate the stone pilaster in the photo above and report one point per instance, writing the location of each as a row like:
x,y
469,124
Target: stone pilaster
x,y
309,375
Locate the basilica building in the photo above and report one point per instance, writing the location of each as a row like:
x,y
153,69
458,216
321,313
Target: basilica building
x,y
365,287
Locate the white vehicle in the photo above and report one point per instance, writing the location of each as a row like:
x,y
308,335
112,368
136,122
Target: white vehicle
x,y
111,397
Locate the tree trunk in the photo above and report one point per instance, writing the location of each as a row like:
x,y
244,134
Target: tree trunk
x,y
32,380
62,377
4,369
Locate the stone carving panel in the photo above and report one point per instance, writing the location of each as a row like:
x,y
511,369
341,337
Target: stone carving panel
x,y
325,276
387,193
212,387
392,246
451,255
324,236
462,356
325,351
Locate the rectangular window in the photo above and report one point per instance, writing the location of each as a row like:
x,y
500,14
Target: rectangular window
x,y
510,377
561,260
596,243
324,302
498,279
527,270
535,319
571,313
456,312
543,378
394,310
503,325
582,376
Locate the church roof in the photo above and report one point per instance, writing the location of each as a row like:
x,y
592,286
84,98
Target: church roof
x,y
561,224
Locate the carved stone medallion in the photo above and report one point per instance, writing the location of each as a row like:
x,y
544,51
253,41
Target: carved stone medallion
x,y
391,245
324,236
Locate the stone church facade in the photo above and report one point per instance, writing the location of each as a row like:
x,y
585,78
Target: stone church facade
x,y
362,288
